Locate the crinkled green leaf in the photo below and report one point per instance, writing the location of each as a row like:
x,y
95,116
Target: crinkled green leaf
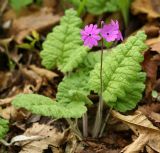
x,y
18,4
45,106
3,127
74,88
91,59
63,46
123,81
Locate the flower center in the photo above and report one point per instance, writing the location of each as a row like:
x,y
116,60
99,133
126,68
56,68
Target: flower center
x,y
90,35
107,33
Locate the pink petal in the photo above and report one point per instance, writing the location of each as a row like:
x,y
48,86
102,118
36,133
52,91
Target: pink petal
x,y
87,42
90,28
97,31
93,41
95,26
86,28
83,32
84,37
97,37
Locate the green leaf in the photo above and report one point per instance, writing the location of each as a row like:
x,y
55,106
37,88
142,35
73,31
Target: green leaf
x,y
18,4
124,7
70,99
90,60
101,6
123,81
3,127
63,47
74,88
45,106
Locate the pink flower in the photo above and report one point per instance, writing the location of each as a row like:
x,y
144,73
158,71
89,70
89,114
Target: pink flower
x,y
90,35
110,32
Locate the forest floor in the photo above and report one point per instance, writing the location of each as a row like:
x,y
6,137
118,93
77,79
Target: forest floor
x,y
21,72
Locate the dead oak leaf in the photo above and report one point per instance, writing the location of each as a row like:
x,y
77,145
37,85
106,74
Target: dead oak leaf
x,y
149,7
49,135
43,72
155,117
147,133
151,29
8,112
154,44
37,21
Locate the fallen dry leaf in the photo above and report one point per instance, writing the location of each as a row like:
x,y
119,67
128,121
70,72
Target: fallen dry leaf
x,y
43,72
5,80
149,7
149,150
32,76
49,135
151,29
152,41
6,101
150,66
148,108
152,112
38,21
155,117
154,44
8,112
147,133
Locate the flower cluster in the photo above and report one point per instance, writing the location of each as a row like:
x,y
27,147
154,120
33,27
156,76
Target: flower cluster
x,y
91,34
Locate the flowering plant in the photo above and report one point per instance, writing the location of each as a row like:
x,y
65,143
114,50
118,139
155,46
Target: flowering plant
x,y
91,35
120,87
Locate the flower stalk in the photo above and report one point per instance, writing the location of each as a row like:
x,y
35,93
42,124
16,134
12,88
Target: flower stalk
x,y
98,121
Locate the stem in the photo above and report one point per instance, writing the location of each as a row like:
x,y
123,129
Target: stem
x,y
74,128
81,7
105,122
85,125
98,120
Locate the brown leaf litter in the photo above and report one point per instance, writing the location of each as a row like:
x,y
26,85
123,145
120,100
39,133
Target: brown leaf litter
x,y
25,25
49,137
146,132
149,7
